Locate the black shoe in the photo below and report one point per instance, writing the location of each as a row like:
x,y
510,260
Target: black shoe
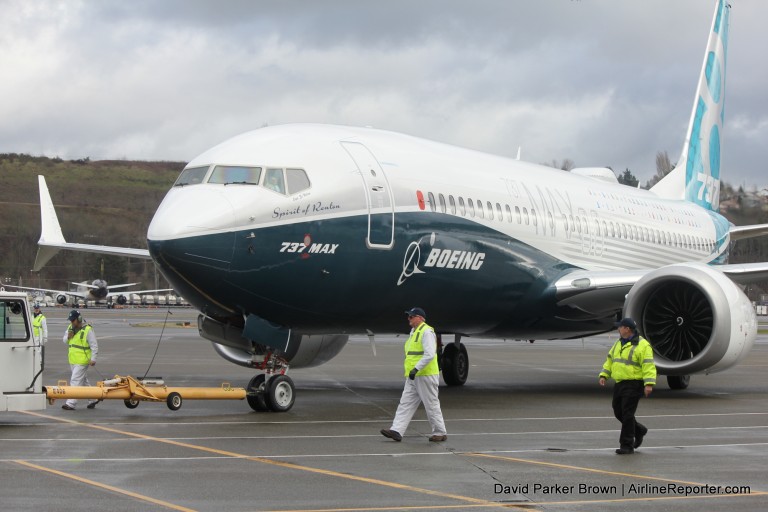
x,y
67,407
625,450
92,405
438,438
639,439
392,434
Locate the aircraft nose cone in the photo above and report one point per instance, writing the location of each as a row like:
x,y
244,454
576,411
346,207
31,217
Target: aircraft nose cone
x,y
190,211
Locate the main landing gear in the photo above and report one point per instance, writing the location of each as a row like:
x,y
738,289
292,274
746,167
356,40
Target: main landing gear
x,y
273,390
454,361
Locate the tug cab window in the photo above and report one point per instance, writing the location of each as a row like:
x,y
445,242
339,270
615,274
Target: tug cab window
x,y
274,180
235,175
191,176
13,327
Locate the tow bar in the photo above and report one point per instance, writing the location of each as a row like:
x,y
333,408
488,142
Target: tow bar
x,y
132,392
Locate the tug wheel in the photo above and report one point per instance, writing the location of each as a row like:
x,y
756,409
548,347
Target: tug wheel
x,y
174,401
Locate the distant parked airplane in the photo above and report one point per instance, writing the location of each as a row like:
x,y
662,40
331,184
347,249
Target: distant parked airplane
x,y
96,291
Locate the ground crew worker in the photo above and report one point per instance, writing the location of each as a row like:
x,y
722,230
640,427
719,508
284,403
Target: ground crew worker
x,y
422,378
630,364
39,325
83,348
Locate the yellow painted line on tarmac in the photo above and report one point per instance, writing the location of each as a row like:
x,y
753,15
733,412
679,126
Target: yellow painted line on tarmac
x,y
288,465
105,486
579,468
422,507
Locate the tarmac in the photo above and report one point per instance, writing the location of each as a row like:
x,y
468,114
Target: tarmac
x,y
531,430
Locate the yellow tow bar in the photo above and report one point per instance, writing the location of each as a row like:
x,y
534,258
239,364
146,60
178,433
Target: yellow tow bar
x,y
132,391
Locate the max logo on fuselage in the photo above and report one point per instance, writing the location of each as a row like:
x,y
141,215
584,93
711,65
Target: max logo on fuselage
x,y
310,248
438,258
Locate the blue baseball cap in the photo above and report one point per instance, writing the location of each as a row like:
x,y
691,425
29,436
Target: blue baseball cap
x,y
416,312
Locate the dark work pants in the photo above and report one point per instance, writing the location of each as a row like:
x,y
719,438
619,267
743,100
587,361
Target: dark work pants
x,y
626,396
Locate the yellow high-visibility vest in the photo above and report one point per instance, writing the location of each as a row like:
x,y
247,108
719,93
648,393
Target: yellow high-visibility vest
x,y
79,349
414,350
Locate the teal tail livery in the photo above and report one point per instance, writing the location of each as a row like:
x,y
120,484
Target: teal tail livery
x,y
696,177
288,239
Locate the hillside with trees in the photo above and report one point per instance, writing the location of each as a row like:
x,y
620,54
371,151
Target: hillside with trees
x,y
107,202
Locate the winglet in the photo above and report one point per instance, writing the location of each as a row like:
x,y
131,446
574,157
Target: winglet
x,y
50,229
696,177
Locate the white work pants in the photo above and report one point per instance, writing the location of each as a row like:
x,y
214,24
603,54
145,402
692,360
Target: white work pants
x,y
421,389
79,378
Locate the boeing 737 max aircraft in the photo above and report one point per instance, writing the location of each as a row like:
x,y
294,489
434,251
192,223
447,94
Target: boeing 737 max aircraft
x,y
290,238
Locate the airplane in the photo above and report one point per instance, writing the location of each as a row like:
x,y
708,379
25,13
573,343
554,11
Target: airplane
x,y
289,239
97,291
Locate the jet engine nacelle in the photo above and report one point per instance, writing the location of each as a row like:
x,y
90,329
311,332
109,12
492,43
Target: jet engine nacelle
x,y
122,300
696,319
61,299
303,351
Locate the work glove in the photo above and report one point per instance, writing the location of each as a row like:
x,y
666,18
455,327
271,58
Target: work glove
x,y
413,373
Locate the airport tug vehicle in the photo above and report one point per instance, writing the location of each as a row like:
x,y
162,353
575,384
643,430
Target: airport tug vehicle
x,y
22,360
21,356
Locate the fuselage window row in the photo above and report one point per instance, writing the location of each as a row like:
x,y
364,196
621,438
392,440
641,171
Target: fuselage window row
x,y
573,224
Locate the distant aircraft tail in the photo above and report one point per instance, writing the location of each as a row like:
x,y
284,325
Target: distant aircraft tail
x,y
51,234
696,177
52,239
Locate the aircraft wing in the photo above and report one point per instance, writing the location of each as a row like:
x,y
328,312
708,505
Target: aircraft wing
x,y
605,291
52,240
753,230
46,290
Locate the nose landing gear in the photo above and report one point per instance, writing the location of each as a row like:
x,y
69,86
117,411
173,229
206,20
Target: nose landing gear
x,y
273,390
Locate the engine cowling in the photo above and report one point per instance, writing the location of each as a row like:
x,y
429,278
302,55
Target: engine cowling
x,y
122,300
61,299
696,319
304,350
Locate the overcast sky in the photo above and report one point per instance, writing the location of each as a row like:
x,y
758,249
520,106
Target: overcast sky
x,y
599,82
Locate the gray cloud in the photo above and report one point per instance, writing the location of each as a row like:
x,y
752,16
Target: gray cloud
x,y
597,81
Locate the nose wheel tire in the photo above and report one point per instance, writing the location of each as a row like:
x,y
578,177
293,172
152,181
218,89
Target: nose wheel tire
x,y
281,393
256,392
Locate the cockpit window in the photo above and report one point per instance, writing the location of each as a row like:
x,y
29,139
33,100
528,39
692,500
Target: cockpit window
x,y
232,174
274,180
191,176
297,180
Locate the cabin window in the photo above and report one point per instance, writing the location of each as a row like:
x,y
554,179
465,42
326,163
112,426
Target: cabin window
x,y
525,216
480,212
452,204
191,176
517,214
471,207
534,217
490,210
509,212
432,204
441,198
297,180
499,213
462,208
274,181
234,174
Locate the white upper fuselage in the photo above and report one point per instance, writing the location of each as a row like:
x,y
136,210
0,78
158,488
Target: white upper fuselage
x,y
585,222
